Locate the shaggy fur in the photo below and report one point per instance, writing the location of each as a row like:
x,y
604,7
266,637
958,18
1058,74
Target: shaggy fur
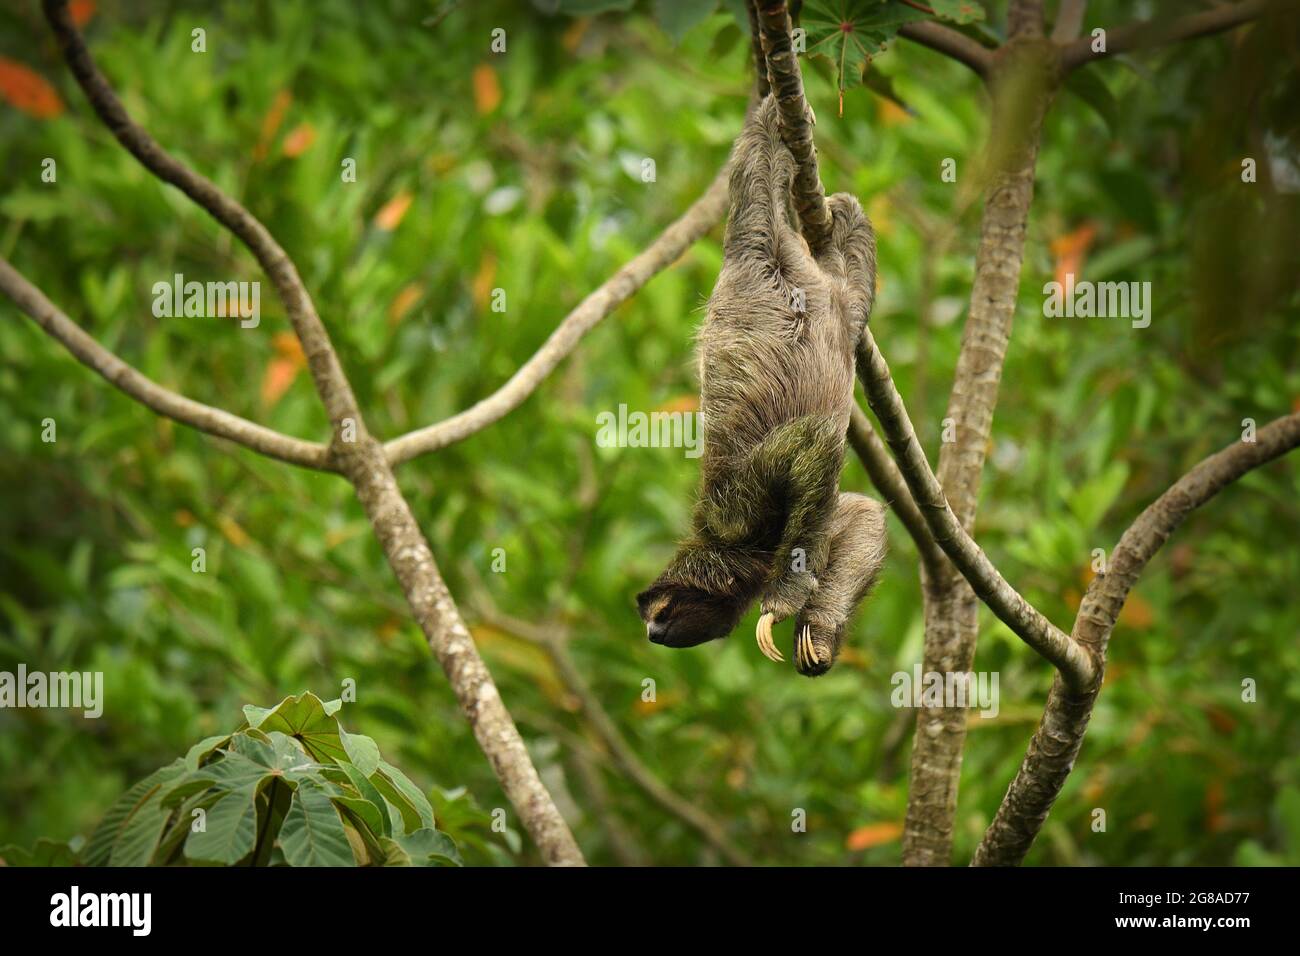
x,y
776,372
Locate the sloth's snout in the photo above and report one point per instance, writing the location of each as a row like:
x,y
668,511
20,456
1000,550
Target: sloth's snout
x,y
656,631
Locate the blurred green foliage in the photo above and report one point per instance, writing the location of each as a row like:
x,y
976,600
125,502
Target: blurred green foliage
x,y
522,171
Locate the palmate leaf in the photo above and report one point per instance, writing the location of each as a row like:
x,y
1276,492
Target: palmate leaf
x,y
312,833
307,719
850,32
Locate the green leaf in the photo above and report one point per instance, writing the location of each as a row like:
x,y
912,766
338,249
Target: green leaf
x,y
305,718
312,833
850,32
363,752
230,829
370,792
374,819
142,798
425,845
194,756
411,803
179,827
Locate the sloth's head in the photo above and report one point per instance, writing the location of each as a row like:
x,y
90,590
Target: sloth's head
x,y
681,615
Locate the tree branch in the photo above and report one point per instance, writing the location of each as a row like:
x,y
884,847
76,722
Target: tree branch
x,y
950,43
703,214
890,483
1154,33
149,393
1021,82
1028,623
762,85
796,129
360,458
1069,21
1056,743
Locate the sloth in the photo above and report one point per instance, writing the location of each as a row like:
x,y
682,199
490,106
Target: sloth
x,y
776,371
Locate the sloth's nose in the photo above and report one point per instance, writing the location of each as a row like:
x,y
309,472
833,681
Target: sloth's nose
x,y
657,631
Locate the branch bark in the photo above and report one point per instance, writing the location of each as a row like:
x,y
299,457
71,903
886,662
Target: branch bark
x,y
889,481
1154,33
360,458
149,393
703,214
987,582
762,85
949,42
796,123
1021,82
1056,743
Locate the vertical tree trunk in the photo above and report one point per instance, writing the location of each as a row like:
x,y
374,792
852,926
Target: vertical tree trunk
x,y
1022,84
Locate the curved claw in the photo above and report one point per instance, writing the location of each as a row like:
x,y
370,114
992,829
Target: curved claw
x,y
806,651
764,635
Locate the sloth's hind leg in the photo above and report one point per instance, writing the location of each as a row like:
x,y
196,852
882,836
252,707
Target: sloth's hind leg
x,y
857,550
850,259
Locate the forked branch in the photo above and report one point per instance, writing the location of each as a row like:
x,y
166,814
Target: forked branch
x,y
1154,33
149,393
360,459
1059,736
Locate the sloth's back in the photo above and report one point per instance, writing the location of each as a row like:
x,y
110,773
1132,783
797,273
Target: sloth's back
x,y
762,365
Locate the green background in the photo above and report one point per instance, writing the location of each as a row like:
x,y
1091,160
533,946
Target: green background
x,y
523,172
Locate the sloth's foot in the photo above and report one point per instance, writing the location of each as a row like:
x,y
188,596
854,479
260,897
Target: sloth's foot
x,y
816,645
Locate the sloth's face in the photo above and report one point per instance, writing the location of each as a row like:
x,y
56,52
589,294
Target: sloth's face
x,y
677,615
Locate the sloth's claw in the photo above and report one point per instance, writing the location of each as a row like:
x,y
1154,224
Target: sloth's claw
x,y
805,651
764,636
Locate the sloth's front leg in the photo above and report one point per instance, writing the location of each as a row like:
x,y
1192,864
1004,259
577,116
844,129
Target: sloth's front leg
x,y
801,465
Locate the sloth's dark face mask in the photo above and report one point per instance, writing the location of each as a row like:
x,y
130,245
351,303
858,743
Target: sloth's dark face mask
x,y
682,616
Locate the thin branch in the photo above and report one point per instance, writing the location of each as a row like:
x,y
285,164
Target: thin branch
x,y
949,42
703,214
762,85
624,756
360,458
1027,622
321,357
889,482
1155,33
1069,21
796,123
149,393
1056,743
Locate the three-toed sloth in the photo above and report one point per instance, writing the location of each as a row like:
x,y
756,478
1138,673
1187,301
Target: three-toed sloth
x,y
776,369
